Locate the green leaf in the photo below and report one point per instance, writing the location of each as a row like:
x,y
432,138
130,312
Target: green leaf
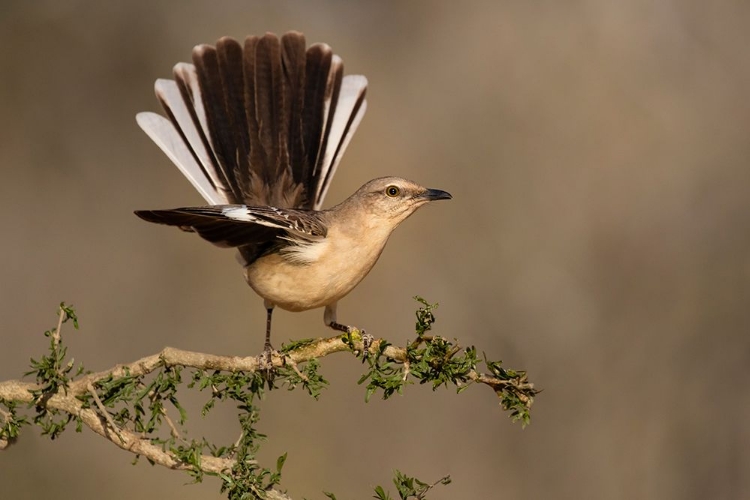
x,y
425,318
380,494
70,314
280,463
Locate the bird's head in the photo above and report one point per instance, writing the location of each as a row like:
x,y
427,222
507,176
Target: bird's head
x,y
393,199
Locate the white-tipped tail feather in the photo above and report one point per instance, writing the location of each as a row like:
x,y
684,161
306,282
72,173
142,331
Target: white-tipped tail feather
x,y
350,109
164,134
218,107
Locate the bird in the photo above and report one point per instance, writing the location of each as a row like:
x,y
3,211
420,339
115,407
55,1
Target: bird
x,y
259,129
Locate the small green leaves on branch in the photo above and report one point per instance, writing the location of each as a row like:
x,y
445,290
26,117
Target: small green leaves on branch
x,y
437,361
136,406
410,487
407,487
10,424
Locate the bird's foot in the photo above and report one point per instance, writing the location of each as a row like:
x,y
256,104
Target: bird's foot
x,y
367,339
265,363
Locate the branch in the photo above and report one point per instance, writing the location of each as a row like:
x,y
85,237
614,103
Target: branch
x,y
111,402
14,390
314,349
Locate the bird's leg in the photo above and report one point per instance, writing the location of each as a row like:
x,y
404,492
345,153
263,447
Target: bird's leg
x,y
267,347
265,360
329,318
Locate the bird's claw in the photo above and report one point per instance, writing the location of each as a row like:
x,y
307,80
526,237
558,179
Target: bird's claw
x,y
265,363
367,341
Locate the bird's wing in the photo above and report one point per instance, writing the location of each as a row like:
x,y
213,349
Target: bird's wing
x,y
264,123
238,225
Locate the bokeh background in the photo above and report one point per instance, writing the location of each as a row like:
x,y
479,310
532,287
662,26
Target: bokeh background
x,y
599,158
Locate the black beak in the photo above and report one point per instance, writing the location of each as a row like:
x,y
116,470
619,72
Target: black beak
x,y
436,194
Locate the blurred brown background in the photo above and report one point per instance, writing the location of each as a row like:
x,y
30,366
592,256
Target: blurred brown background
x,y
598,155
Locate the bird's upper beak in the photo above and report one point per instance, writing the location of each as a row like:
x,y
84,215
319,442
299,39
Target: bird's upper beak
x,y
436,194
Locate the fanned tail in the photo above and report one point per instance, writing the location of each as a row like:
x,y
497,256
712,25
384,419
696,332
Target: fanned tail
x,y
263,124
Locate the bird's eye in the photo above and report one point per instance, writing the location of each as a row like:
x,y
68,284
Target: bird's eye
x,y
392,191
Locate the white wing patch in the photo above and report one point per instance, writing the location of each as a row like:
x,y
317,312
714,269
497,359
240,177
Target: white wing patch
x,y
305,251
276,218
239,213
302,249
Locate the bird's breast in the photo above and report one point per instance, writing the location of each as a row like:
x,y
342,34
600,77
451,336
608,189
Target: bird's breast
x,y
316,274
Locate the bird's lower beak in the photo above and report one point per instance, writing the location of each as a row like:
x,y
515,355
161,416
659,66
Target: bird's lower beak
x,y
436,194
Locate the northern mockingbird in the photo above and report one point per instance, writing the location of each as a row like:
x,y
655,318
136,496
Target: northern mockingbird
x,y
259,130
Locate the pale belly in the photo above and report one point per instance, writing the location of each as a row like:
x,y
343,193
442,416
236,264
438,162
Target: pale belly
x,y
298,287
